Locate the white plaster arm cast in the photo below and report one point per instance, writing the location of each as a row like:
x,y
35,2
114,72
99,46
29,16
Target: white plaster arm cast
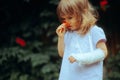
x,y
90,57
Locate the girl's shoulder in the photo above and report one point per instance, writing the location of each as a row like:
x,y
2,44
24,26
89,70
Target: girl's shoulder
x,y
96,28
97,33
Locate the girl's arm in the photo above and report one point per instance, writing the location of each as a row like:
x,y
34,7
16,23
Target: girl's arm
x,y
102,45
91,57
60,46
61,32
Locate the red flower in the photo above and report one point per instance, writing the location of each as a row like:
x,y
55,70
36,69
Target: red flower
x,y
21,42
103,4
66,24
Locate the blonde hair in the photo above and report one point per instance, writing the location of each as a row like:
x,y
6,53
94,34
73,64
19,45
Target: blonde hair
x,y
82,9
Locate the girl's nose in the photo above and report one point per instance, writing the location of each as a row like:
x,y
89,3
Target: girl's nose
x,y
66,24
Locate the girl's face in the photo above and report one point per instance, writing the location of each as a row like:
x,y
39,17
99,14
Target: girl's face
x,y
73,21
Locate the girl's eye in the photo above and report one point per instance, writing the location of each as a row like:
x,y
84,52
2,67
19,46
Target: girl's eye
x,y
62,19
69,17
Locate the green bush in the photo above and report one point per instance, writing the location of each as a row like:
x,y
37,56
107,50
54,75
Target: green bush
x,y
113,67
28,40
17,63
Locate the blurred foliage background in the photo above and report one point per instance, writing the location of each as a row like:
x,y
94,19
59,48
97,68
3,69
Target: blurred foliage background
x,y
28,42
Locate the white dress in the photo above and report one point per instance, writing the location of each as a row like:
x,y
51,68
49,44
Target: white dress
x,y
75,43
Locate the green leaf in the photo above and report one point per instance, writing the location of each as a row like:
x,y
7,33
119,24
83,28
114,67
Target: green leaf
x,y
24,77
14,76
37,59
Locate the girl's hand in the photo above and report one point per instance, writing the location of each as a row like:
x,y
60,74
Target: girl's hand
x,y
61,30
72,59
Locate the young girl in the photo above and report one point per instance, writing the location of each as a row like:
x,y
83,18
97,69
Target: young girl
x,y
82,45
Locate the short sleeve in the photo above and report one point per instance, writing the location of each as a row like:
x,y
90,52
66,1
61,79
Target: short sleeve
x,y
97,34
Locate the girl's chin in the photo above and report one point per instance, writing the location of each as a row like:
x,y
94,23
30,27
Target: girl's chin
x,y
73,29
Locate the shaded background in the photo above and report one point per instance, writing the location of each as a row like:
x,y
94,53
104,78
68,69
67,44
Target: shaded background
x,y
28,40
